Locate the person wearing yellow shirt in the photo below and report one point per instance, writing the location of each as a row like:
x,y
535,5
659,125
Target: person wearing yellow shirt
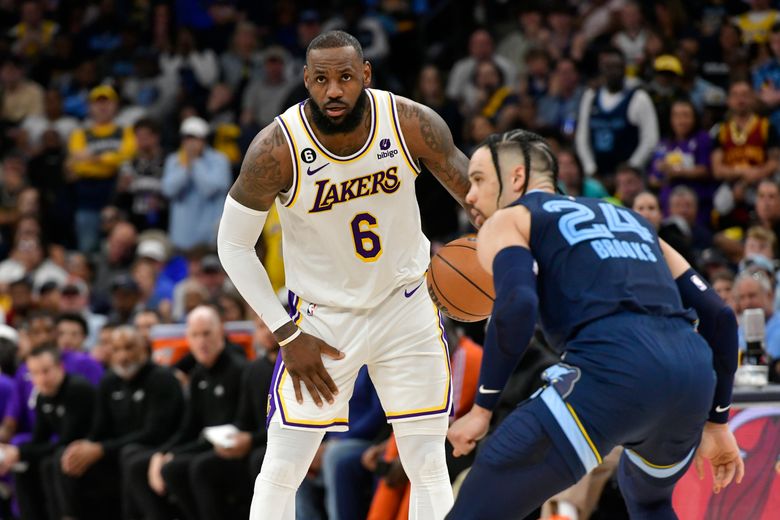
x,y
95,154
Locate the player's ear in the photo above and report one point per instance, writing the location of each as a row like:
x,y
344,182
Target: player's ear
x,y
306,77
517,178
366,73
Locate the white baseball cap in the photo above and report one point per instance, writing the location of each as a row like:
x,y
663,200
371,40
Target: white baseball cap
x,y
195,126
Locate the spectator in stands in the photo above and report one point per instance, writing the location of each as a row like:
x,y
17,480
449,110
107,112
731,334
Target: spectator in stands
x,y
232,306
629,182
75,300
20,415
95,154
222,479
27,260
33,35
665,88
746,151
683,159
125,299
723,283
138,403
64,408
143,322
632,36
573,179
193,68
118,256
766,78
558,107
563,40
20,96
262,100
51,118
530,33
243,62
430,92
139,187
459,85
493,99
366,27
768,205
647,205
726,60
196,179
616,123
755,290
683,208
757,22
214,389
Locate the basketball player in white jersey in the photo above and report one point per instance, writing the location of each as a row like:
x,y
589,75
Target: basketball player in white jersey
x,y
340,168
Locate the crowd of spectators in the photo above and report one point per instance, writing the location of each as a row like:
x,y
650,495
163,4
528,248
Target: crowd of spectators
x,y
123,124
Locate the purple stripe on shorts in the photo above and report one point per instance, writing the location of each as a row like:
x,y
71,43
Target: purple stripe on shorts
x,y
272,391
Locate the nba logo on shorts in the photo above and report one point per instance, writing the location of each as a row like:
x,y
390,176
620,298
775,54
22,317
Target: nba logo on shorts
x,y
310,309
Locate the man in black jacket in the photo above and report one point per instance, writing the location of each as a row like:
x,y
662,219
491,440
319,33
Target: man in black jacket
x,y
138,403
63,413
222,478
215,389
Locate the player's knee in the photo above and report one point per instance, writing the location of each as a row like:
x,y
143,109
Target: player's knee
x,y
433,468
278,473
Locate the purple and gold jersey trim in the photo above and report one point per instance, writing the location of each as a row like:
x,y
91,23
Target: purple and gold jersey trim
x,y
296,187
399,136
355,156
294,304
447,401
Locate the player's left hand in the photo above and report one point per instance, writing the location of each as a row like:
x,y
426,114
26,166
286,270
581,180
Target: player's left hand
x,y
466,431
719,446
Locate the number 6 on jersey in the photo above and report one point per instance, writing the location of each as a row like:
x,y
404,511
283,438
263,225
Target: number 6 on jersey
x,y
368,246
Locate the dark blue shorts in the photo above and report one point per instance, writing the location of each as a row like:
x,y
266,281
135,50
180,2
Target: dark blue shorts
x,y
643,382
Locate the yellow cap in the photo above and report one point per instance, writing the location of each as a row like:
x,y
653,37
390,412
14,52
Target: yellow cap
x,y
103,91
668,63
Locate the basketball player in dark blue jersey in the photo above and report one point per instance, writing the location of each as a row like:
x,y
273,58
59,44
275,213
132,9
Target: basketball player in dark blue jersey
x,y
619,302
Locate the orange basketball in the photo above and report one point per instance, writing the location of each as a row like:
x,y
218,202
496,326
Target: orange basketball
x,y
458,285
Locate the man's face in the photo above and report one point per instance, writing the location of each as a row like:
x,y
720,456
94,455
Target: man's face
x,y
613,69
70,336
768,202
103,110
144,321
628,185
128,354
750,295
146,139
683,205
756,246
481,45
204,336
740,98
723,288
647,205
484,189
46,373
336,80
41,330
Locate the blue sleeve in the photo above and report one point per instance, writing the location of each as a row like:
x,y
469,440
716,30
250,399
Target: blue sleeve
x,y
718,326
511,324
211,174
175,177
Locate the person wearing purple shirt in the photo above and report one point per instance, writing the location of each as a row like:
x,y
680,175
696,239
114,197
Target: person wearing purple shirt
x,y
684,159
71,331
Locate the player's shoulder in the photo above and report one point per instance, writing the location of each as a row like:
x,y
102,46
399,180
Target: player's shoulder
x,y
512,221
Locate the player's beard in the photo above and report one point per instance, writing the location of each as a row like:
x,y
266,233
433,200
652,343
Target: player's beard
x,y
351,120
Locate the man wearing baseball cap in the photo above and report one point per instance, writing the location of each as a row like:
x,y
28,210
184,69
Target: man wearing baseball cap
x,y
196,179
95,153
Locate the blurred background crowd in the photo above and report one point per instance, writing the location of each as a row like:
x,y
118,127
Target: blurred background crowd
x,y
123,124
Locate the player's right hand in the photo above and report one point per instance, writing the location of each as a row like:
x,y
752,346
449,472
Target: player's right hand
x,y
303,360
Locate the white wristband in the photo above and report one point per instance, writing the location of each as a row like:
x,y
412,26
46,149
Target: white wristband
x,y
289,338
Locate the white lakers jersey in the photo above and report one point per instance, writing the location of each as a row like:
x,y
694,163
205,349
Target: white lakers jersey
x,y
350,225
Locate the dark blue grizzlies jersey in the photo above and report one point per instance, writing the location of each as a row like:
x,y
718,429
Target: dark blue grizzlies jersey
x,y
595,259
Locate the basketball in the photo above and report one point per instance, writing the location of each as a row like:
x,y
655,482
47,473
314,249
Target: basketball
x,y
458,285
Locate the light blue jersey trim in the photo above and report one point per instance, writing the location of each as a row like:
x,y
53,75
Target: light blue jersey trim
x,y
570,428
658,471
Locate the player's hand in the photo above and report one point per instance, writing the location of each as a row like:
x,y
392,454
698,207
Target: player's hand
x,y
466,431
303,360
242,444
154,474
719,447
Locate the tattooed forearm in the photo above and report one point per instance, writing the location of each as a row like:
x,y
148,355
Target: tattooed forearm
x,y
262,174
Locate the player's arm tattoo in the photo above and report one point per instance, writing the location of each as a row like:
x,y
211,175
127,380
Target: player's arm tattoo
x,y
265,171
430,141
